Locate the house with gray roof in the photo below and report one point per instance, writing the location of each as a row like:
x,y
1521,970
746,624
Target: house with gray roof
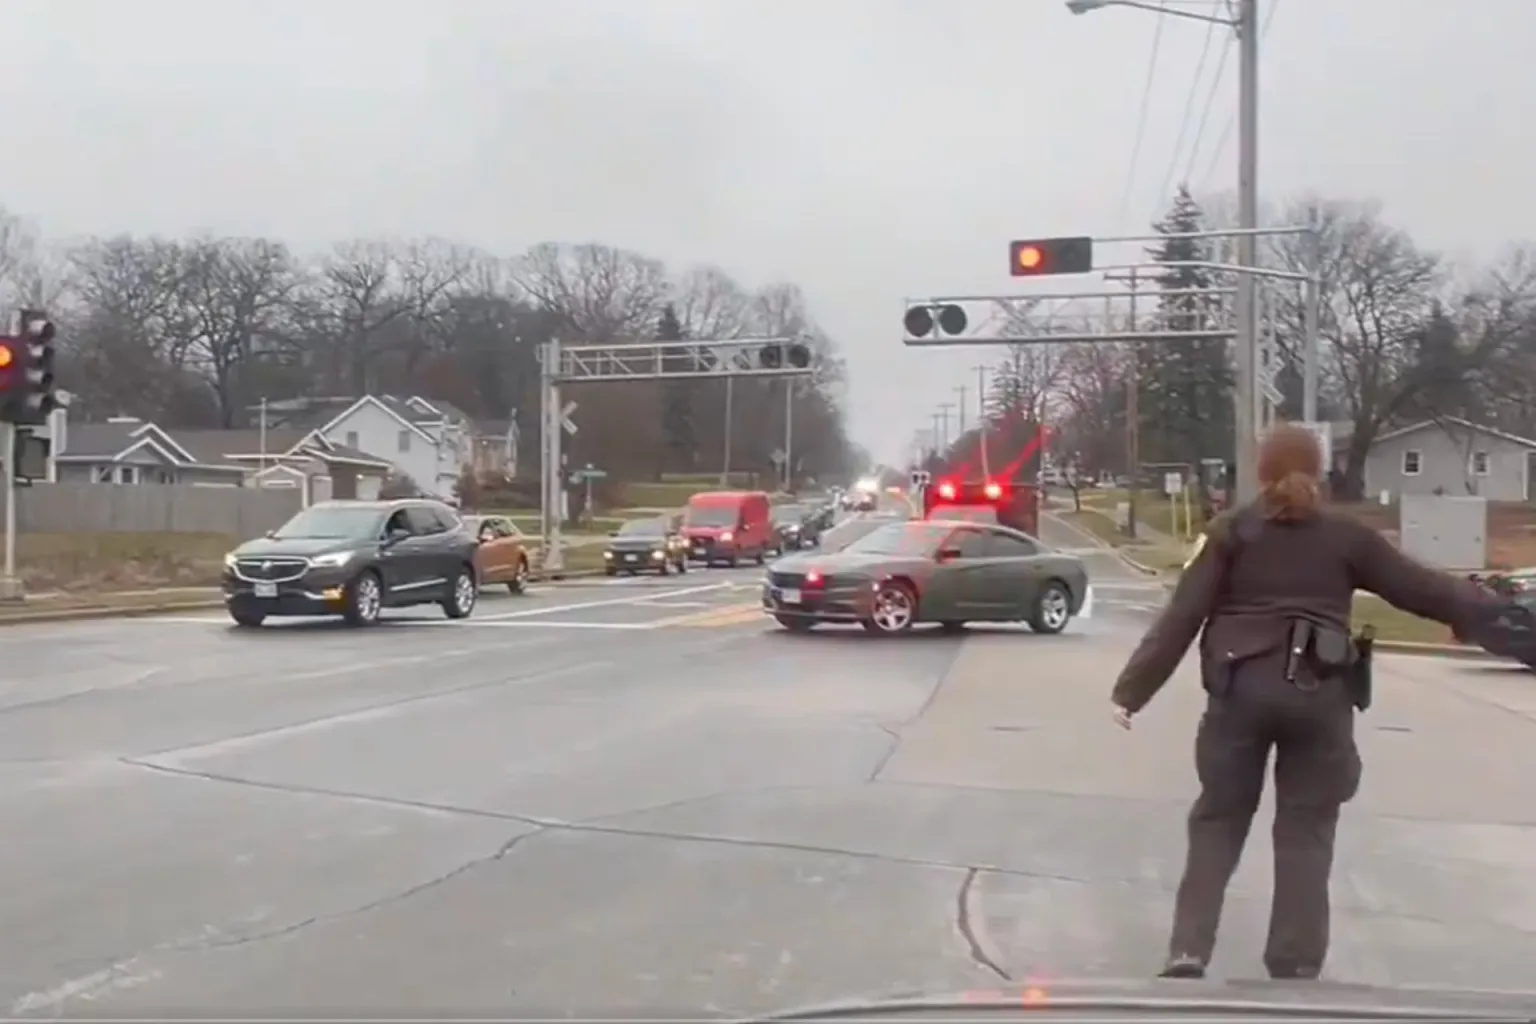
x,y
429,441
1450,456
125,450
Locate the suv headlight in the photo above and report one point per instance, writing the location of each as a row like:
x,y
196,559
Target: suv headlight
x,y
334,560
230,560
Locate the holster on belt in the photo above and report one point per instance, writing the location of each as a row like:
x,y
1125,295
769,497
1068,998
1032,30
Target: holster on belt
x,y
1322,654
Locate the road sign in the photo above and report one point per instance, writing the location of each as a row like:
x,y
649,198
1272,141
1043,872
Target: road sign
x,y
1272,394
566,423
778,456
588,472
1173,483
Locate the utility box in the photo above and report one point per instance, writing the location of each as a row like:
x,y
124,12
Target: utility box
x,y
1450,533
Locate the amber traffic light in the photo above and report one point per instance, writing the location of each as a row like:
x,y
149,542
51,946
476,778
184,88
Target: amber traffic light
x,y
1043,256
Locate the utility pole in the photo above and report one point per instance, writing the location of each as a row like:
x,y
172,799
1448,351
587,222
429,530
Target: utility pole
x,y
789,434
938,435
1132,422
944,408
1246,454
981,417
725,468
960,405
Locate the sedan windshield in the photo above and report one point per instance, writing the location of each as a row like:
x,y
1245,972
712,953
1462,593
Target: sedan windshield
x,y
644,528
331,523
914,539
712,517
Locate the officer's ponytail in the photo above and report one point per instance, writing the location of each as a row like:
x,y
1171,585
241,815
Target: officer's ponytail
x,y
1290,462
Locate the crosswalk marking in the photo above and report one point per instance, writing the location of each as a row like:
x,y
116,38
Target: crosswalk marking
x,y
725,615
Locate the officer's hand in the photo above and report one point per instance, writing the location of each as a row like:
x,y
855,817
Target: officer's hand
x,y
1122,717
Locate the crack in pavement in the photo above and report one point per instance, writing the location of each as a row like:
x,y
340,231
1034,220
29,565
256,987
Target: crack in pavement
x,y
966,924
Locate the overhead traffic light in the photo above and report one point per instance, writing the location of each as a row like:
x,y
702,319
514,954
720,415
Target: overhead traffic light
x,y
11,357
776,357
1043,256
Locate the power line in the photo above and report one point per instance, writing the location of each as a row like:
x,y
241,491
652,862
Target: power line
x,y
1210,104
1189,111
1141,119
1226,130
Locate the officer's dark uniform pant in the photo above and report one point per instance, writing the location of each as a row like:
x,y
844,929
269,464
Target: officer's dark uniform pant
x,y
1317,770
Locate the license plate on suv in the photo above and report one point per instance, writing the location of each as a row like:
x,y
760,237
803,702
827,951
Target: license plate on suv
x,y
789,596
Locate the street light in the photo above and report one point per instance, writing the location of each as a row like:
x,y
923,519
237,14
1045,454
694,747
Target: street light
x,y
1246,25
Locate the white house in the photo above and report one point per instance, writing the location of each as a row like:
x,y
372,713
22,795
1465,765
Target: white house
x,y
425,441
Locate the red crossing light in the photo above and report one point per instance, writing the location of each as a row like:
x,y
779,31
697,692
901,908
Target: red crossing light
x,y
993,491
947,491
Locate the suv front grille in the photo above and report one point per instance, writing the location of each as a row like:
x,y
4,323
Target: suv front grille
x,y
271,570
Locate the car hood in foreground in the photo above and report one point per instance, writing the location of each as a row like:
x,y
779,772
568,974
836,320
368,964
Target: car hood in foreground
x,y
294,547
1231,1000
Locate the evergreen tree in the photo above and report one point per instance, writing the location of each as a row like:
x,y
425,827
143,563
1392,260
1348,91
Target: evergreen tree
x,y
677,400
1186,386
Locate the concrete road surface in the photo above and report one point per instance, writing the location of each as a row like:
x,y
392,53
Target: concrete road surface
x,y
637,797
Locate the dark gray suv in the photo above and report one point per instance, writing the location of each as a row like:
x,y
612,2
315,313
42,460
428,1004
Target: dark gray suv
x,y
353,559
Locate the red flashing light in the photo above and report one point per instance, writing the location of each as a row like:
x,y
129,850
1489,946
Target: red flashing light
x,y
814,579
993,491
947,491
7,357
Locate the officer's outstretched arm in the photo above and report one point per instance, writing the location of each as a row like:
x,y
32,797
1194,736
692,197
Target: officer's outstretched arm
x,y
1414,587
1160,651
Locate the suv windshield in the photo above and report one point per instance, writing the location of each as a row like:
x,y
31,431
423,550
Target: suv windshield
x,y
786,514
712,517
902,539
331,523
643,528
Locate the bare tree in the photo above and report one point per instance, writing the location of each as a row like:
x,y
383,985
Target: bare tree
x,y
234,294
599,294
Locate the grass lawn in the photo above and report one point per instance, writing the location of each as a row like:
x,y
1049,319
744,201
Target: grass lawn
x,y
1163,557
95,562
1392,624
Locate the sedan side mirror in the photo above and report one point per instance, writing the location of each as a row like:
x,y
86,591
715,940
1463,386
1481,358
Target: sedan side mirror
x,y
948,554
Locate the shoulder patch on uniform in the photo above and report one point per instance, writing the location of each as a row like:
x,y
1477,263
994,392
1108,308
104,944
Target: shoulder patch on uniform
x,y
1194,552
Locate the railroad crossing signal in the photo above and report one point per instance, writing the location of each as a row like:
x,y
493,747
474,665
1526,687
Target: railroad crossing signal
x,y
926,318
774,357
1044,256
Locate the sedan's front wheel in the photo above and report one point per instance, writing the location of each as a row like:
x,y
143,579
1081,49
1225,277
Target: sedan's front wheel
x,y
894,611
1053,609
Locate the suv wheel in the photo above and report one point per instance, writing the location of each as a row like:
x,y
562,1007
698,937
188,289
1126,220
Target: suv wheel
x,y
363,599
462,593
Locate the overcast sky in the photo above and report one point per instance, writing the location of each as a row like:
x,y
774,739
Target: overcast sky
x,y
868,150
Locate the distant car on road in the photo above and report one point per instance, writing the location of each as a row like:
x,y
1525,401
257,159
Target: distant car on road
x,y
645,545
1513,634
794,528
503,553
943,572
353,559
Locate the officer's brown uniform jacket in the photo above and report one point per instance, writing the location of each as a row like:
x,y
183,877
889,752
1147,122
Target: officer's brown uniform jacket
x,y
1251,578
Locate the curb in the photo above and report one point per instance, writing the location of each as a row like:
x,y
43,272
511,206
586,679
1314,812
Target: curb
x,y
1144,569
44,615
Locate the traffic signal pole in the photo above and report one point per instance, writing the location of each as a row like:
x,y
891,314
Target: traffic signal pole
x,y
1246,361
11,587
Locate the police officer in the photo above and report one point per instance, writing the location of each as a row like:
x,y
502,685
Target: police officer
x,y
1261,576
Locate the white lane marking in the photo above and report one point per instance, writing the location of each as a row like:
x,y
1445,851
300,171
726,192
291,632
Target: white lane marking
x,y
662,602
1087,610
607,602
536,624
603,603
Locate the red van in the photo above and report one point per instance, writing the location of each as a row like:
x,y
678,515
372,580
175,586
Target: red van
x,y
728,526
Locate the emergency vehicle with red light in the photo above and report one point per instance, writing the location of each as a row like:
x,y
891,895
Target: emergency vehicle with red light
x,y
1013,505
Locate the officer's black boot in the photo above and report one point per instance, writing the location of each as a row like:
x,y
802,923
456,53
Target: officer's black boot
x,y
1183,966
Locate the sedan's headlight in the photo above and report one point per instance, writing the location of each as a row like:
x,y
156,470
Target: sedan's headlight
x,y
657,556
334,560
230,560
608,555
